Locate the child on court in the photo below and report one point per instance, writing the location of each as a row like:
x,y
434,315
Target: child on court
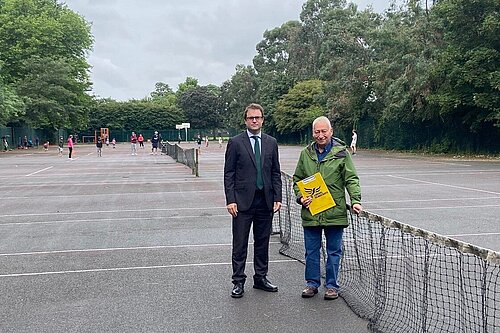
x,y
99,146
46,146
61,145
113,143
155,140
5,143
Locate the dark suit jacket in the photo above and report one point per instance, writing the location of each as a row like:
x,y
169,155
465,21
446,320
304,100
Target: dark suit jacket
x,y
240,172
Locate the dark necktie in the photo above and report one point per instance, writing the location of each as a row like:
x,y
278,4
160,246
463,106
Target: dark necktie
x,y
256,147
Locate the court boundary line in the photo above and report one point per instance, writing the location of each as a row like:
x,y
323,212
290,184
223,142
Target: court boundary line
x,y
445,185
114,194
424,208
42,170
133,248
110,219
115,269
185,179
111,211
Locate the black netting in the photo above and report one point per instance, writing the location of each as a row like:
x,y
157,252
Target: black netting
x,y
405,279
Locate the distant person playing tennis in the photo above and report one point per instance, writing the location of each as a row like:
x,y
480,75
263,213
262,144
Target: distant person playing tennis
x,y
155,140
70,146
99,146
354,141
133,143
61,146
141,141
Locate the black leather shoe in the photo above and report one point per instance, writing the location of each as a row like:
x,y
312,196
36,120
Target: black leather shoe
x,y
238,290
264,284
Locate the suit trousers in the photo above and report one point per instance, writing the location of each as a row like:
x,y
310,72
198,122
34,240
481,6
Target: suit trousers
x,y
261,217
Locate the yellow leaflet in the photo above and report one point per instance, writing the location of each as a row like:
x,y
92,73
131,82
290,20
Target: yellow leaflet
x,y
315,187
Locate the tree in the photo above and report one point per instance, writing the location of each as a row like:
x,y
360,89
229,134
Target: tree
x,y
162,90
11,105
164,95
201,107
37,37
42,28
189,84
272,64
133,115
297,109
54,98
236,94
468,67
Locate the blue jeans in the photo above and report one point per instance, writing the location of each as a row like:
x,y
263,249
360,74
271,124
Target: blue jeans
x,y
312,242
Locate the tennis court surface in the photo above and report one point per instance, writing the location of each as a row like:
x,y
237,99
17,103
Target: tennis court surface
x,y
137,244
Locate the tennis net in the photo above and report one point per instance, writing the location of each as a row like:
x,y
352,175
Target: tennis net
x,y
188,157
405,279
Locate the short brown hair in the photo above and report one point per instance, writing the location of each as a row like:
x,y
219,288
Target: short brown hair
x,y
253,106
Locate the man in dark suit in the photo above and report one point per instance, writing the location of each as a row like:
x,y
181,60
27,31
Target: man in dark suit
x,y
252,182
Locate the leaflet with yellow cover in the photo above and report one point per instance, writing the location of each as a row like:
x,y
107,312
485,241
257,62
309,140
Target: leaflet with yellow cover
x,y
315,187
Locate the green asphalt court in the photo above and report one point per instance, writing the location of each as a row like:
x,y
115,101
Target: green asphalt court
x,y
124,243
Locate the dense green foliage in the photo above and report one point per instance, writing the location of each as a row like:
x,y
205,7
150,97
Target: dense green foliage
x,y
201,106
11,105
43,48
420,76
133,115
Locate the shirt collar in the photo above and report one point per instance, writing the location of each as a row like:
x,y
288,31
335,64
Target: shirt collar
x,y
328,147
325,152
250,134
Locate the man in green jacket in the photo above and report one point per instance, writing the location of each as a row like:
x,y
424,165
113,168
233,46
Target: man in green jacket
x,y
329,157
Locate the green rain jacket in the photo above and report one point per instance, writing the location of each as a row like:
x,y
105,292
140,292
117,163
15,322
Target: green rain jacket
x,y
337,169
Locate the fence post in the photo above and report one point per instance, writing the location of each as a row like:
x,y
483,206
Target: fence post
x,y
196,165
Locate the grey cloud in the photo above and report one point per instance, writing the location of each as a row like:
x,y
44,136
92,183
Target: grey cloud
x,y
138,43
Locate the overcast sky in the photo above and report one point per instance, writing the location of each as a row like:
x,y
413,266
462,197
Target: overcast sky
x,y
138,43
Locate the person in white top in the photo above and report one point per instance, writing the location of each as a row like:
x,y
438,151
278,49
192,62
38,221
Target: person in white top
x,y
354,141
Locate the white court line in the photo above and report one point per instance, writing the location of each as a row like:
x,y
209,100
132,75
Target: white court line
x,y
34,173
96,270
430,173
111,249
121,219
478,234
432,208
445,185
112,211
72,175
428,200
115,194
174,181
412,160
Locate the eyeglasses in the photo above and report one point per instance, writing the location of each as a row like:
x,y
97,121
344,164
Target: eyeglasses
x,y
255,118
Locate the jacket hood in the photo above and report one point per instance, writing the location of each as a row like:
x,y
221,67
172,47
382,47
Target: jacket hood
x,y
339,150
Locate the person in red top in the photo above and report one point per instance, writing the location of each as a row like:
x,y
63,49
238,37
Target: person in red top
x,y
70,146
133,141
141,141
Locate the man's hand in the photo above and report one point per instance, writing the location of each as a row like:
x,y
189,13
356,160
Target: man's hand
x,y
357,208
232,208
306,201
276,206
